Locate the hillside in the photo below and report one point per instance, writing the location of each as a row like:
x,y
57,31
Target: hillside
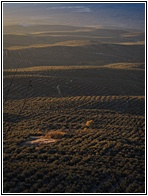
x,y
74,110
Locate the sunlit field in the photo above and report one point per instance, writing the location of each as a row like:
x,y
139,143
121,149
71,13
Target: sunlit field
x,y
73,109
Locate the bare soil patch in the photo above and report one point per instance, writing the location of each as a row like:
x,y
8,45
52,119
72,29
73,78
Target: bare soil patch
x,y
71,43
50,137
132,43
132,34
39,140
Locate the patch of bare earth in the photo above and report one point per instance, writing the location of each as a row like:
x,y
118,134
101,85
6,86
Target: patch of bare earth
x,y
71,43
39,140
132,43
50,137
123,66
132,34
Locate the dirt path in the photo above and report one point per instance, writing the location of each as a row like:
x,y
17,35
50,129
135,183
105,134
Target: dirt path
x,y
58,88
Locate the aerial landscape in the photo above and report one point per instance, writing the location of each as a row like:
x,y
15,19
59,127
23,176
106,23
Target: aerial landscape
x,y
73,98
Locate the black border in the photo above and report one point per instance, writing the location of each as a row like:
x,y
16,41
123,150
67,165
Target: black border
x,y
145,95
1,98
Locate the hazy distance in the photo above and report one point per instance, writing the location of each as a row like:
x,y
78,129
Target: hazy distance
x,y
120,15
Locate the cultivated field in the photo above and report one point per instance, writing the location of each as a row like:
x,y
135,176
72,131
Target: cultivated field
x,y
74,110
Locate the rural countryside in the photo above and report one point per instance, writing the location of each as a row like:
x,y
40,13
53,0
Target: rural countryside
x,y
73,98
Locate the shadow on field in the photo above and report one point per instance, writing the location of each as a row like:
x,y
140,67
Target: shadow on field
x,y
14,118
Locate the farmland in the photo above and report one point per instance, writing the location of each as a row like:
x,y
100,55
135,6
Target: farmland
x,y
55,80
